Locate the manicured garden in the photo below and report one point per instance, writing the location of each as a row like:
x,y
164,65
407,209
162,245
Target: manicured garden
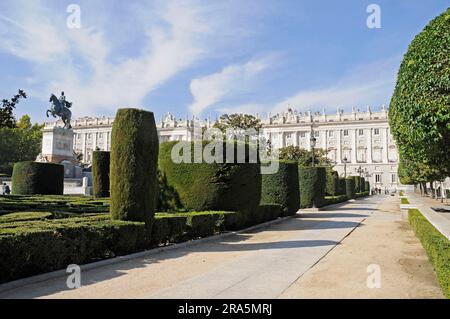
x,y
144,198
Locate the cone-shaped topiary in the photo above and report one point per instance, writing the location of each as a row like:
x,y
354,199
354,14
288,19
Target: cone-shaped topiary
x,y
210,186
312,186
357,183
32,178
134,156
282,188
350,187
100,173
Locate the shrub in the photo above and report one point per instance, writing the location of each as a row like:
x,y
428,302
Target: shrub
x,y
30,178
134,156
357,183
436,245
329,200
312,186
282,188
350,187
362,187
405,201
168,199
100,173
332,186
342,190
205,186
367,186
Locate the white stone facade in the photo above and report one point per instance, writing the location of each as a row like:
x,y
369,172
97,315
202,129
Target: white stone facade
x,y
363,137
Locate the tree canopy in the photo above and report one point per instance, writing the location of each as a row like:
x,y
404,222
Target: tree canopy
x,y
419,113
303,157
238,122
20,143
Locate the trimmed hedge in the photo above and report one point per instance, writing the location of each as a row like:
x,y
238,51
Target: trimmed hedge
x,y
312,186
362,187
342,189
32,178
134,156
211,186
282,188
33,243
100,173
330,200
436,245
332,186
367,186
357,183
350,188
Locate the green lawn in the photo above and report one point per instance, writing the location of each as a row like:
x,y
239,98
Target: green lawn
x,y
405,201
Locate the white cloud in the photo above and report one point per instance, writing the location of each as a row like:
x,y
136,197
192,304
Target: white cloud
x,y
79,61
232,80
370,83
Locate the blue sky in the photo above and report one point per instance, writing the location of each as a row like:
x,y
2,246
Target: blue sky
x,y
206,57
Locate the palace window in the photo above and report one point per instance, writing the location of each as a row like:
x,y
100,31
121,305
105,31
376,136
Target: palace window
x,y
345,132
393,178
316,133
330,133
302,134
377,131
377,178
360,132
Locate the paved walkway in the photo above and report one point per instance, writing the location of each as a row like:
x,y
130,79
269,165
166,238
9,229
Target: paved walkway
x,y
268,263
429,202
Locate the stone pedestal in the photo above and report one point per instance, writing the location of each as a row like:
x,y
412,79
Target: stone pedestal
x,y
57,145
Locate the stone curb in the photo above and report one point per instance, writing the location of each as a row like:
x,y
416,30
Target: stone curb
x,y
112,261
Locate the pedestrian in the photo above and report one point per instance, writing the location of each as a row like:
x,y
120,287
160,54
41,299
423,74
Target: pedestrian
x,y
7,190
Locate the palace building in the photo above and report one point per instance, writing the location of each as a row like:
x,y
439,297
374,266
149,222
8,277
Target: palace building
x,y
358,143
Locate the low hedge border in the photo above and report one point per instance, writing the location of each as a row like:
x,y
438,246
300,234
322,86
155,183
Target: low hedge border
x,y
31,243
436,245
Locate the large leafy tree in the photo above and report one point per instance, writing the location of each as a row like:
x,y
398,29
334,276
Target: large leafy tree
x,y
419,113
7,118
238,122
303,157
20,143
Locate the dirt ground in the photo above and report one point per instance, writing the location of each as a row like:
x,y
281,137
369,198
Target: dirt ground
x,y
382,240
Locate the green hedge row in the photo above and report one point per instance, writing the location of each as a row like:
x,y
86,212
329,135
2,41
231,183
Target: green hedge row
x,y
282,188
31,178
32,244
100,173
350,190
332,186
436,245
312,186
210,186
329,200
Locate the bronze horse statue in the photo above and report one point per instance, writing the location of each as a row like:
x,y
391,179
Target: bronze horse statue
x,y
60,108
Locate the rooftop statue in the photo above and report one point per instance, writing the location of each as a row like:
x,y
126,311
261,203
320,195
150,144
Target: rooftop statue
x,y
60,108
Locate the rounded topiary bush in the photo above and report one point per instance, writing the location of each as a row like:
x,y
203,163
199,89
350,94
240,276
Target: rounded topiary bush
x,y
350,188
312,186
134,156
282,188
204,186
31,178
100,173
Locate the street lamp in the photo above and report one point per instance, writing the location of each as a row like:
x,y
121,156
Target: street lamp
x,y
345,160
313,145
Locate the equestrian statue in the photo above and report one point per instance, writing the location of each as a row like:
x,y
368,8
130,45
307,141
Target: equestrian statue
x,y
61,108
